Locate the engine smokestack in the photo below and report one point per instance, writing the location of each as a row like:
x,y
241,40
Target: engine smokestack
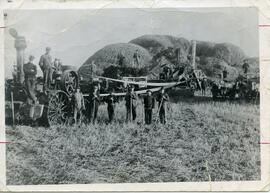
x,y
193,61
20,45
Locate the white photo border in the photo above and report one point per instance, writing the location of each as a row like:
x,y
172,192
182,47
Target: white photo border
x,y
264,49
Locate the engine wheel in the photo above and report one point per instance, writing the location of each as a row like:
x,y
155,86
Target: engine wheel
x,y
58,108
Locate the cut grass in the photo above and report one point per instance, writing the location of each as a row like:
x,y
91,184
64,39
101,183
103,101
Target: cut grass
x,y
215,139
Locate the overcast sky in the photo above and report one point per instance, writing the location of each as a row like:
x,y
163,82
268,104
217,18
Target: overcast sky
x,y
74,35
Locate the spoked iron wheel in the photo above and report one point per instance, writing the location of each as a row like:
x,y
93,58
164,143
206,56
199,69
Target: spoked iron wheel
x,y
58,108
69,81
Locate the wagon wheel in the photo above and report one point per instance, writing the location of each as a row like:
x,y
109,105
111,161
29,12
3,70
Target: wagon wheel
x,y
69,81
58,108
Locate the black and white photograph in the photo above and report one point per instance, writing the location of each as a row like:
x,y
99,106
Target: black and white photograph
x,y
114,96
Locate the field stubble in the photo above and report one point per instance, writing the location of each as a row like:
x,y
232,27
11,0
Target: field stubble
x,y
201,141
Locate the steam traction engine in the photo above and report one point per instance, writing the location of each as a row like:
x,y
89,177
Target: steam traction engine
x,y
52,107
242,88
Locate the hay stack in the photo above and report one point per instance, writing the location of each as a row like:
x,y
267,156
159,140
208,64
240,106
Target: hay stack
x,y
156,43
212,66
107,56
230,53
213,57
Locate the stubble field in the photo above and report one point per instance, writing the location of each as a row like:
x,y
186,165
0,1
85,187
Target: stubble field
x,y
202,141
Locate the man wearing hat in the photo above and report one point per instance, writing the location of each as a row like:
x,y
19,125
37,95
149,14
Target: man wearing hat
x,y
94,104
110,100
224,73
149,105
45,64
57,64
79,105
130,99
162,98
30,72
245,67
136,59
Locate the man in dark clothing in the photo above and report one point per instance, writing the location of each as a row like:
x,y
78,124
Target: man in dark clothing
x,y
225,73
130,99
93,69
170,74
161,98
121,59
203,86
30,72
166,72
136,59
149,105
178,55
45,64
94,104
110,100
245,67
162,76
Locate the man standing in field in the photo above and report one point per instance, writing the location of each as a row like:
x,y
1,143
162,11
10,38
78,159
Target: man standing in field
x,y
245,67
130,99
149,105
203,86
30,72
79,105
121,59
110,100
136,59
162,98
94,103
224,73
45,64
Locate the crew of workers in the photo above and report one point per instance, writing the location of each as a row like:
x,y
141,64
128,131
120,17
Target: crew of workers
x,y
136,63
131,100
47,66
